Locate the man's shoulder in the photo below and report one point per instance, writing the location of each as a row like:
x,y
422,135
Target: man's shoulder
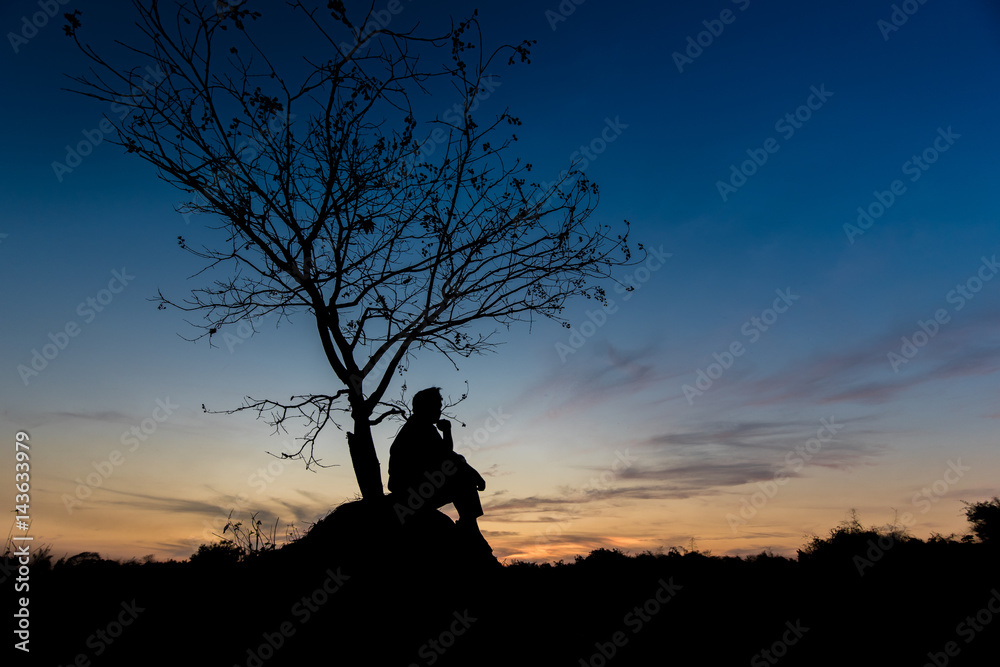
x,y
416,430
414,426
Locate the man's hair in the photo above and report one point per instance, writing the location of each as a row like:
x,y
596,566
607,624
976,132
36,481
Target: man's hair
x,y
427,400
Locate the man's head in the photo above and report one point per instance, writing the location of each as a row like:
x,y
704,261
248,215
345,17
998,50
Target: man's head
x,y
427,404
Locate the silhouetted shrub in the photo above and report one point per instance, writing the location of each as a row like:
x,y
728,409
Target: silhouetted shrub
x,y
602,557
83,558
985,519
221,554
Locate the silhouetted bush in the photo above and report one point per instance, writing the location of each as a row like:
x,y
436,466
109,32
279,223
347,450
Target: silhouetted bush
x,y
359,588
985,519
221,554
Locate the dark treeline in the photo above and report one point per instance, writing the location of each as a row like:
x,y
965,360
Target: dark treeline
x,y
351,592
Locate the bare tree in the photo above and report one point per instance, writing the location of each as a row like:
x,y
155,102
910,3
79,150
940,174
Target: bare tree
x,y
394,234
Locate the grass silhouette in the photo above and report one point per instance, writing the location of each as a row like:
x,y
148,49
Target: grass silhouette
x,y
357,590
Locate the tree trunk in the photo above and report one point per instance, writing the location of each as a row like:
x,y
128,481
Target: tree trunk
x,y
365,460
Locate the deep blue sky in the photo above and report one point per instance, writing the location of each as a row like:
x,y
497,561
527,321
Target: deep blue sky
x,y
680,132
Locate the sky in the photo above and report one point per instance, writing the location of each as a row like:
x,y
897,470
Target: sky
x,y
814,328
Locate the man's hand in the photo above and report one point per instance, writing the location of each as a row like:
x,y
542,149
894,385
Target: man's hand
x,y
480,483
444,425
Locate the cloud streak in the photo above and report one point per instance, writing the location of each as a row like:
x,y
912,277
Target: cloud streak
x,y
708,461
963,347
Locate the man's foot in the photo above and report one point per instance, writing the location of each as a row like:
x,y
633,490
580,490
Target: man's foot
x,y
478,546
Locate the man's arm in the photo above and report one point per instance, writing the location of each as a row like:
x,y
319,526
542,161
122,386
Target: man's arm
x,y
445,427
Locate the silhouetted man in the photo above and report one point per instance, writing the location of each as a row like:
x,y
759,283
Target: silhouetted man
x,y
424,469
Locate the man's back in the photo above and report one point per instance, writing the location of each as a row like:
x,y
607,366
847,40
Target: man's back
x,y
418,448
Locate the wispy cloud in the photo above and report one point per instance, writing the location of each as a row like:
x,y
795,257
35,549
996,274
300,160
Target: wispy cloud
x,y
162,503
600,373
113,416
968,345
706,461
268,510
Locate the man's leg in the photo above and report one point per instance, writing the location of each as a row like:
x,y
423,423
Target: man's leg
x,y
461,491
467,503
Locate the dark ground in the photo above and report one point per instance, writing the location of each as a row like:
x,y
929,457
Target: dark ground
x,y
420,597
